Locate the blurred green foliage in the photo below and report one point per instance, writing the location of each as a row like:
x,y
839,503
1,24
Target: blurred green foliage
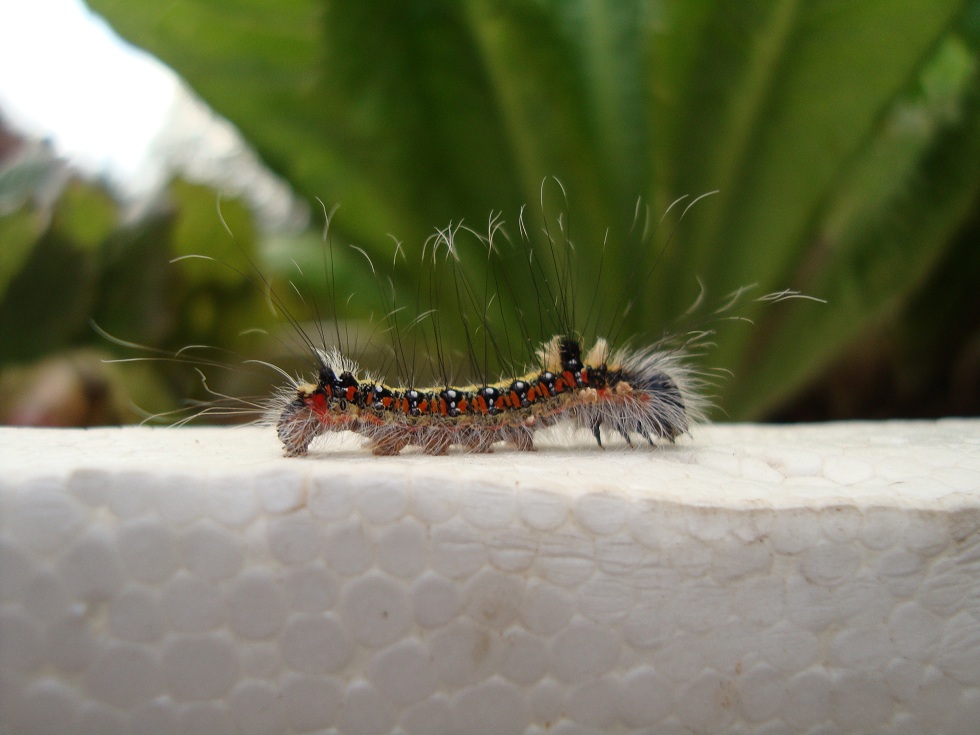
x,y
843,137
75,264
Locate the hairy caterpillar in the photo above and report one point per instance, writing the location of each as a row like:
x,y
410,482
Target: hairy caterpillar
x,y
652,392
647,392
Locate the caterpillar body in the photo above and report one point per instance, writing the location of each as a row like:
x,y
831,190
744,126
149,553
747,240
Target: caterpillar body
x,y
646,392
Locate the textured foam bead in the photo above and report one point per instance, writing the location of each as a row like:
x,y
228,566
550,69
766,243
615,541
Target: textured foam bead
x,y
816,579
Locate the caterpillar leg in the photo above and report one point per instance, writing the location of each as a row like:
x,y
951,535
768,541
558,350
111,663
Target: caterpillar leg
x,y
297,427
479,444
594,425
522,439
435,443
644,433
389,444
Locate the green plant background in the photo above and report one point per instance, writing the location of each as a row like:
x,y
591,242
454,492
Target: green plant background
x,y
843,137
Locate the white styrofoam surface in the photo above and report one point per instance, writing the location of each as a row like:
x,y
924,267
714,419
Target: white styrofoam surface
x,y
757,579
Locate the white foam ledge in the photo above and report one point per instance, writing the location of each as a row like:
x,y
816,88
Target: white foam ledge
x,y
821,579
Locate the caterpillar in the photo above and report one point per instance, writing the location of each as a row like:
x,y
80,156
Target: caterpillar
x,y
652,393
648,392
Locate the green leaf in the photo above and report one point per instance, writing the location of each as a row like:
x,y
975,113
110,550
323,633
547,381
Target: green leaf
x,y
206,225
823,124
85,214
46,305
19,231
914,185
140,291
